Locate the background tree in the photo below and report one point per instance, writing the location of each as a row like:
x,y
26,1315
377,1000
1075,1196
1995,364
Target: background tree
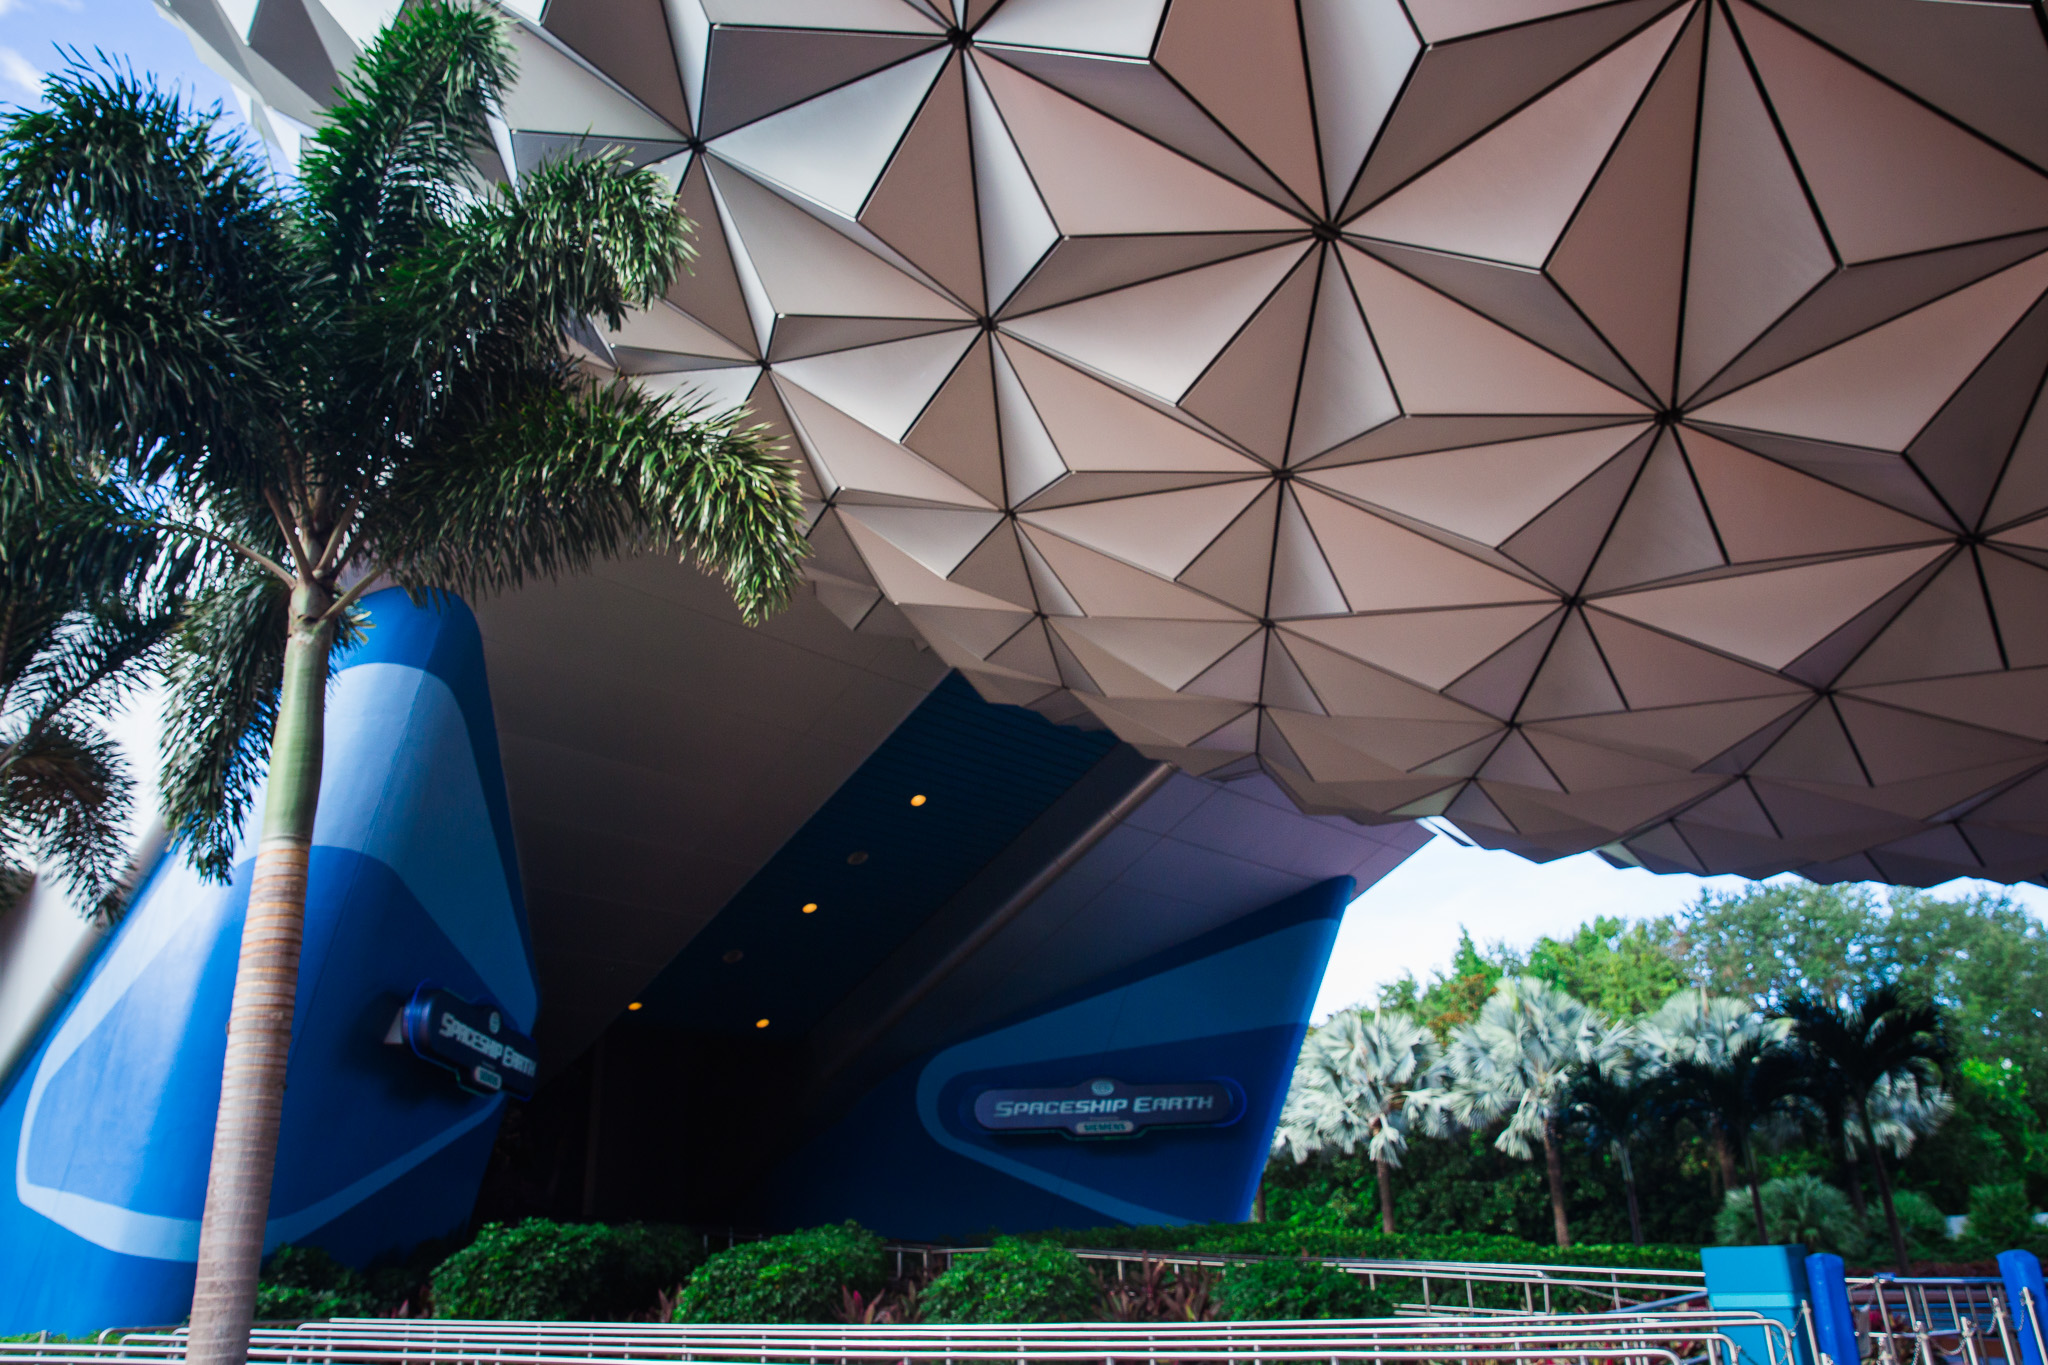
x,y
360,378
1519,1058
1706,1031
1613,1106
1351,1087
1877,1038
1752,1082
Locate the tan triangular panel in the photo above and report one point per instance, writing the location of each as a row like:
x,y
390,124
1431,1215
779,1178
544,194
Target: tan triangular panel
x,y
1079,267
1664,849
1141,96
1765,510
1237,676
1460,88
765,410
1016,228
923,205
1161,335
1771,618
1472,809
752,72
1161,533
2029,539
1816,749
1248,392
858,460
1586,767
2023,491
1923,859
1854,300
1879,389
557,93
1285,685
1384,567
1497,685
963,636
1331,744
1663,530
936,538
1623,258
1109,587
1676,736
1900,746
1891,175
531,151
1099,177
708,287
1573,680
1344,389
1484,493
1595,816
1982,64
1240,736
1461,762
798,337
2019,601
1822,664
1072,674
1098,486
886,386
1242,60
1561,542
832,550
1431,647
1733,808
1029,653
909,583
1507,194
957,429
1963,450
1328,750
1755,248
1170,653
664,330
1445,358
1513,760
1946,629
1030,460
831,150
996,567
2014,701
1524,300
1098,428
850,602
1238,563
1359,55
1874,474
808,269
1418,435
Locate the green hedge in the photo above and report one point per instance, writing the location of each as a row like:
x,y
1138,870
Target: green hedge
x,y
305,1282
1280,1239
564,1272
798,1277
1015,1281
1273,1291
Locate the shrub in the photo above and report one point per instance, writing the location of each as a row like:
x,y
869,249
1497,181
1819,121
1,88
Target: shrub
x,y
1015,1281
300,1283
798,1277
1271,1291
1797,1208
556,1272
2001,1217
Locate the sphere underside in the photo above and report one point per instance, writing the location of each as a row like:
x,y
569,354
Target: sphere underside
x,y
1606,426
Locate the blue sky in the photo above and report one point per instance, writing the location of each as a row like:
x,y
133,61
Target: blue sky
x,y
1409,922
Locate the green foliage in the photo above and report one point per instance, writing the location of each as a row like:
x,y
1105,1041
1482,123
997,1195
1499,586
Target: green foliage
x,y
1288,1240
2002,1217
1621,970
559,1272
1803,1209
302,1283
797,1277
1014,1281
1453,997
1273,1291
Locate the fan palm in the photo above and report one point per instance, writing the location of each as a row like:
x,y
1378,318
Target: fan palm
x,y
362,377
1520,1057
1351,1087
1706,1031
1614,1106
1754,1081
1878,1038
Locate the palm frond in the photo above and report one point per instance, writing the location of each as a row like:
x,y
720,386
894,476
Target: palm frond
x,y
64,802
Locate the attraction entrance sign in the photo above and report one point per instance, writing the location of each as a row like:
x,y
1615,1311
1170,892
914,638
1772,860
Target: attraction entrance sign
x,y
1602,425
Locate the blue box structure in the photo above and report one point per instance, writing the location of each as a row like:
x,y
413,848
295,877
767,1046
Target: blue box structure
x,y
1768,1280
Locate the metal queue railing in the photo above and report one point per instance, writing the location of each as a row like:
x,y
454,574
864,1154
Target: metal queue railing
x,y
1666,1338
1939,1320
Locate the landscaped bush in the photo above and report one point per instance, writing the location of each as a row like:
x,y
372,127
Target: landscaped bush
x,y
798,1277
305,1282
1014,1281
1282,1239
1798,1208
556,1272
1271,1291
2002,1218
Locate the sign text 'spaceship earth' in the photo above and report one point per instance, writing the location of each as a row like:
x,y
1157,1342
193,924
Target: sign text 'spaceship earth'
x,y
1108,1108
486,1054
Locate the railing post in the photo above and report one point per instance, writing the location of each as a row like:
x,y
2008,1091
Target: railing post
x,y
2024,1296
1834,1326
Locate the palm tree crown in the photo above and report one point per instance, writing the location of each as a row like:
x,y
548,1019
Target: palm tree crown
x,y
1351,1087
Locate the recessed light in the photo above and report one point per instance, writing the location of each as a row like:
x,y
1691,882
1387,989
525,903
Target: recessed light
x,y
733,955
760,1023
917,800
634,1006
856,858
810,907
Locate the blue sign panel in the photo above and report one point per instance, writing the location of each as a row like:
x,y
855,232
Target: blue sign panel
x,y
486,1054
1110,1109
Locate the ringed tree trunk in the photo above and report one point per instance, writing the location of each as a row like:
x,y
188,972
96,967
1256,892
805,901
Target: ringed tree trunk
x,y
1724,1155
1553,1163
1628,1183
1386,1180
1884,1184
1756,1195
266,990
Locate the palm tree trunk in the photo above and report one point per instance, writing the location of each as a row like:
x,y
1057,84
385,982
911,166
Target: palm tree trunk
x,y
1628,1183
1386,1195
1553,1162
1884,1185
1756,1197
1724,1157
260,1017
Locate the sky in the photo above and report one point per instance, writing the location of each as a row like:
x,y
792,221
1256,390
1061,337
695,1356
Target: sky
x,y
1408,922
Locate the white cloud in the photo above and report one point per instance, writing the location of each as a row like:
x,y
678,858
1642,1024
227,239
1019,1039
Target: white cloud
x,y
17,71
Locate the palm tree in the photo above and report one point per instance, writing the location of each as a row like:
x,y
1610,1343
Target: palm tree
x,y
361,377
1613,1106
1878,1038
1755,1081
1706,1031
1351,1086
1520,1057
80,612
